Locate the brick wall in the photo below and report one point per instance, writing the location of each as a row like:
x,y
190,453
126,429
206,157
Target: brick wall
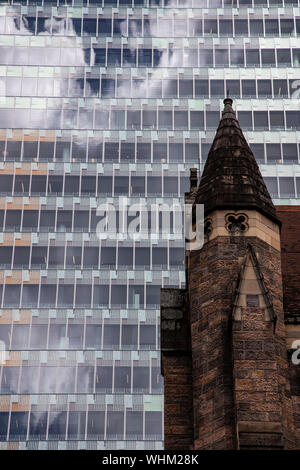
x,y
212,273
176,368
217,373
290,256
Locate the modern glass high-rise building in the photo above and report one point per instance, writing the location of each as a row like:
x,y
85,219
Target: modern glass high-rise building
x,y
102,99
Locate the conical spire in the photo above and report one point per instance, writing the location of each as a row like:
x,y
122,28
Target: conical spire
x,y
231,178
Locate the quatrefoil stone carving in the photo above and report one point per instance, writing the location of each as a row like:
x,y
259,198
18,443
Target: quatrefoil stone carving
x,y
236,223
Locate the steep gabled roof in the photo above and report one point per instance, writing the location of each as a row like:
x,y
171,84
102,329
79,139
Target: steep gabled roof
x,y
231,178
251,271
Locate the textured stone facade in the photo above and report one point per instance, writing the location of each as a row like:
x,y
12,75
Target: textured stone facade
x,y
238,375
178,407
226,340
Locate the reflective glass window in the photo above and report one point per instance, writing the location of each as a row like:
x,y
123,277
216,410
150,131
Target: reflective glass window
x,y
252,57
111,337
38,336
268,57
47,295
12,295
30,220
256,28
115,424
29,379
93,336
165,119
141,379
57,425
245,119
241,27
3,425
38,185
55,184
134,424
103,381
249,88
153,424
76,424
38,425
5,256
18,425
170,88
212,119
289,152
154,185
85,379
129,336
292,119
65,296
221,57
225,27
284,57
259,152
271,183
271,27
261,119
147,336
142,256
56,256
201,88
122,379
48,379
264,88
156,379
286,186
47,220
5,334
65,380
101,295
136,296
280,88
10,380
21,184
83,295
237,57
95,424
277,119
57,334
273,153
29,296
108,256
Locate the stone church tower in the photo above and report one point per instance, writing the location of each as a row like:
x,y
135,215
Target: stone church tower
x,y
224,351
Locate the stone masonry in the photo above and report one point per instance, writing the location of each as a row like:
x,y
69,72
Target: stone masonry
x,y
227,340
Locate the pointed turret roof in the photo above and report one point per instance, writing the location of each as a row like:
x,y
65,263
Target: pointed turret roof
x,y
231,178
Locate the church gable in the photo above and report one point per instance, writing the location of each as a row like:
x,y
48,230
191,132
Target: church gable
x,y
251,293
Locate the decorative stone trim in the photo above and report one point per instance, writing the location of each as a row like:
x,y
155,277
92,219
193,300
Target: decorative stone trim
x,y
236,223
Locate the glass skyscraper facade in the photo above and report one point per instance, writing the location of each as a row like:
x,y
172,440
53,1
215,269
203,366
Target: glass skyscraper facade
x,y
101,100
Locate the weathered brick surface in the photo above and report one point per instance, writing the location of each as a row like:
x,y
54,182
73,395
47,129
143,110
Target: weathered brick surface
x,y
237,371
260,366
232,384
290,256
176,367
178,407
294,373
